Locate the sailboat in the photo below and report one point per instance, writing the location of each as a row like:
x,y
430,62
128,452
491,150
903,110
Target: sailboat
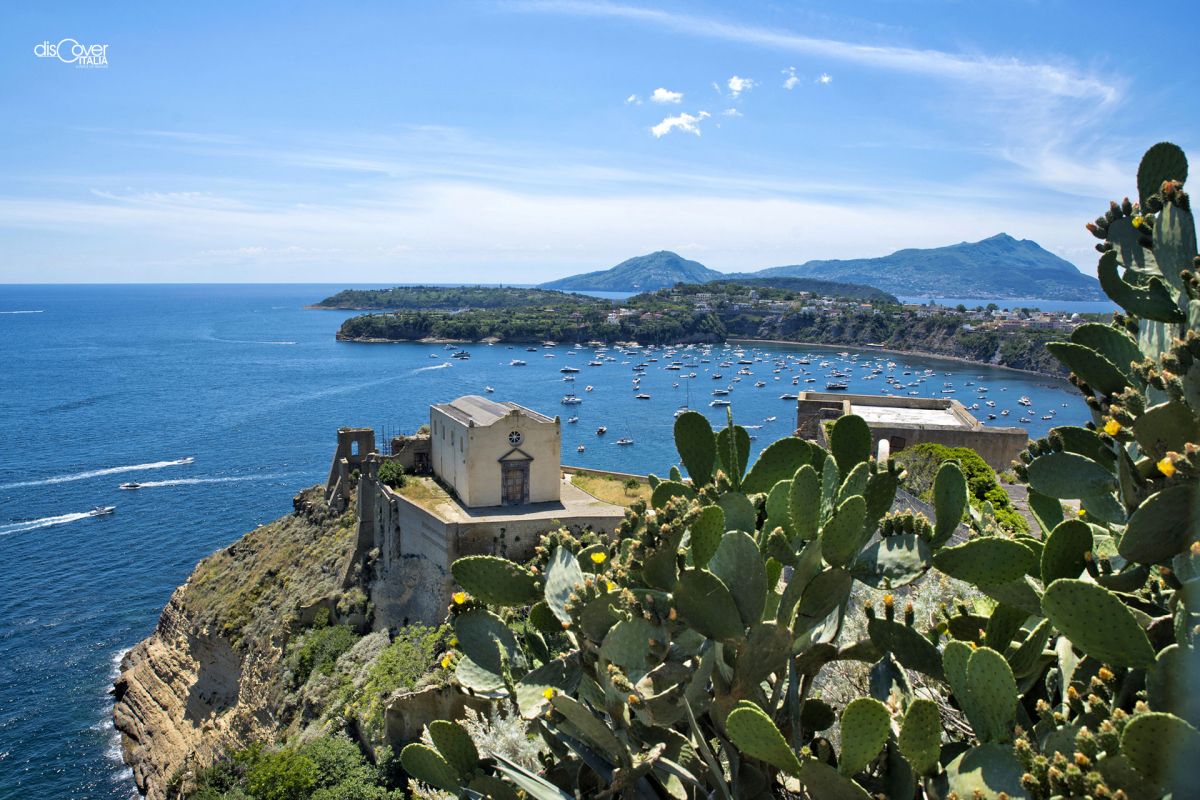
x,y
683,409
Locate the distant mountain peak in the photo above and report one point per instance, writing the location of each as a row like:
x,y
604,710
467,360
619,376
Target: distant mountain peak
x,y
656,270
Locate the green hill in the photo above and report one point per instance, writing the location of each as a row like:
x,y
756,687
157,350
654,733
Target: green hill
x,y
639,274
998,267
850,291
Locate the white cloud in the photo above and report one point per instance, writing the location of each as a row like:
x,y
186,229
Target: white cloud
x,y
666,96
791,81
738,85
825,78
633,100
731,112
684,122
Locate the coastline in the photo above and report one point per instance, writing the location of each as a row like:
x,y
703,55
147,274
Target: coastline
x,y
874,349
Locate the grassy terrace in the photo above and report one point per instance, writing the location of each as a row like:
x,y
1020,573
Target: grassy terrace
x,y
611,489
425,492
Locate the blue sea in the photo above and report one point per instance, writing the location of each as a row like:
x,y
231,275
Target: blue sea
x,y
223,401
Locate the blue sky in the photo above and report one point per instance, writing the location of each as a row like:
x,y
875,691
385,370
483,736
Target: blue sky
x,y
522,141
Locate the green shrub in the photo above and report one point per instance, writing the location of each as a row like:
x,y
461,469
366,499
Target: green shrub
x,y
921,461
392,474
281,775
318,650
401,665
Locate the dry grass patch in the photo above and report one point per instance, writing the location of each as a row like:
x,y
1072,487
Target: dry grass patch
x,y
611,489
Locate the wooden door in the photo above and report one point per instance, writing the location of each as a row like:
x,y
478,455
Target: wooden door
x,y
514,483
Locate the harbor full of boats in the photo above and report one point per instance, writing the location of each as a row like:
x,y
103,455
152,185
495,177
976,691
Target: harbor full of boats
x,y
635,391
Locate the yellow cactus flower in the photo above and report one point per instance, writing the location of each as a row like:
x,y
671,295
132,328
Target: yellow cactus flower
x,y
548,693
446,662
599,557
1112,427
1167,466
610,585
459,598
454,641
1137,221
1081,512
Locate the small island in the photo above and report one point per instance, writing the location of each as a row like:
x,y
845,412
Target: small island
x,y
764,309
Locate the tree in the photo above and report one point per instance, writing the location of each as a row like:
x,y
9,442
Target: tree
x,y
631,485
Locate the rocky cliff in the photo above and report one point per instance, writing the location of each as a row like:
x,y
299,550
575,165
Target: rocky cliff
x,y
213,675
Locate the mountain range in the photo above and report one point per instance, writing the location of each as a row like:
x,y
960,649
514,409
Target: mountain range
x,y
999,267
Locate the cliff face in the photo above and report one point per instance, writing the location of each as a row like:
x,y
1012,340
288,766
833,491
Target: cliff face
x,y
212,675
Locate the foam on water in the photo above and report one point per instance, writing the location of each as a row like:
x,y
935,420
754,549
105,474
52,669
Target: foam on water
x,y
432,366
97,473
44,522
227,479
38,311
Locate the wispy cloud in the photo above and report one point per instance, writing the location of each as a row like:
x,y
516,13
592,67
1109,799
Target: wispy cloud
x,y
738,85
731,112
687,123
661,95
633,100
825,78
791,80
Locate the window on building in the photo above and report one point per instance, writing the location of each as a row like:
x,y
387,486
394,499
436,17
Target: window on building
x,y
896,442
354,448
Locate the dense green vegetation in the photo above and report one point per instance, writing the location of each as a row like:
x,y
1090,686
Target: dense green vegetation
x,y
922,461
317,649
451,298
816,286
407,662
329,768
392,474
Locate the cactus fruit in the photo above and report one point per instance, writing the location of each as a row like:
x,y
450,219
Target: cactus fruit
x,y
697,446
1065,551
850,442
778,461
496,581
986,560
865,725
755,734
920,738
949,501
1097,622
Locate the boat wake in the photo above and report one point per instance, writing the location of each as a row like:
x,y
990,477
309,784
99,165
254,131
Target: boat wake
x,y
228,479
251,341
39,311
44,522
96,473
446,365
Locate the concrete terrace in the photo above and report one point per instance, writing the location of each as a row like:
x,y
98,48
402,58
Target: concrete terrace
x,y
574,503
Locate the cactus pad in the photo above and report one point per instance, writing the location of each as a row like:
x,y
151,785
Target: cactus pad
x,y
824,782
755,735
740,514
1162,747
987,559
910,648
697,446
1164,524
850,442
893,561
1152,301
920,737
1093,368
991,697
666,490
704,602
1097,622
988,769
739,565
427,765
1164,161
563,575
733,451
805,502
842,536
496,581
454,744
778,461
949,501
1063,553
866,723
706,531
1112,343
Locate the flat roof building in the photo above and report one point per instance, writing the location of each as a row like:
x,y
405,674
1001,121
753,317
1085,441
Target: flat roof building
x,y
905,421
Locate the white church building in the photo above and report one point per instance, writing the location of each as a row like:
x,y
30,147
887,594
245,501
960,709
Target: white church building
x,y
493,454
